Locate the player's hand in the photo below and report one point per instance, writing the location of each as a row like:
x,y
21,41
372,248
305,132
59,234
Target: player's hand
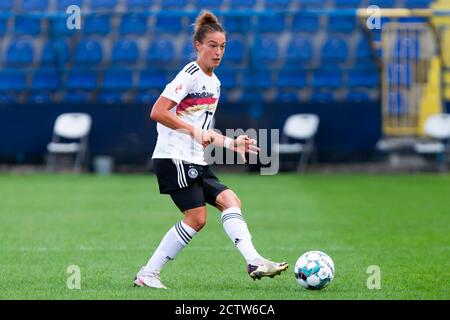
x,y
203,137
244,144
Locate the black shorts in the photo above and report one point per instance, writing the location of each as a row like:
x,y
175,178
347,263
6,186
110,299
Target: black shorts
x,y
190,185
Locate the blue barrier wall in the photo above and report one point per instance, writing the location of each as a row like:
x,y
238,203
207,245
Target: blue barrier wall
x,y
347,131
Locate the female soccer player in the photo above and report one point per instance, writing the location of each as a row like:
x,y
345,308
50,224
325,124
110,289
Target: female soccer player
x,y
183,113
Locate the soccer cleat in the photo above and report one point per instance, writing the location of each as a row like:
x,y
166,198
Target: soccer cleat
x,y
266,268
148,279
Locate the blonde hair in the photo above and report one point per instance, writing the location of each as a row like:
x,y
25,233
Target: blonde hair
x,y
206,22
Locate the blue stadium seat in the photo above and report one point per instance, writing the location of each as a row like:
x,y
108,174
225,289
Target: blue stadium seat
x,y
235,24
277,4
64,4
125,52
117,79
417,3
363,78
208,4
364,51
34,5
358,96
6,5
139,4
12,80
58,28
96,24
348,3
152,79
133,24
20,52
247,4
266,50
322,96
227,77
55,53
110,97
170,24
3,26
299,51
292,78
327,78
305,23
45,79
383,3
174,4
147,97
261,79
77,79
312,3
334,51
341,24
77,96
188,51
88,52
235,49
271,23
103,4
39,98
25,25
161,52
285,96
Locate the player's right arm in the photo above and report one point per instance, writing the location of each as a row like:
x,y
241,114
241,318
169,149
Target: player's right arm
x,y
161,113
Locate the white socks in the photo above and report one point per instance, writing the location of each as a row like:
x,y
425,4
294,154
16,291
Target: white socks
x,y
236,228
175,239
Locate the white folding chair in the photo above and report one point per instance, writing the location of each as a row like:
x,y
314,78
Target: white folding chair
x,y
437,128
300,127
70,136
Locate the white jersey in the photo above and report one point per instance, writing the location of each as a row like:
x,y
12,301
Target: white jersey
x,y
196,95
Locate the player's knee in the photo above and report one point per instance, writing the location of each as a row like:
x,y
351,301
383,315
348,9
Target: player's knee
x,y
228,199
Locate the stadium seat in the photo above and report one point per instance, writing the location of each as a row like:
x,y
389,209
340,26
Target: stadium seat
x,y
174,4
25,25
321,96
357,96
103,4
417,3
46,79
305,23
133,24
55,53
234,24
96,24
147,97
88,52
110,97
284,96
341,24
312,3
77,79
20,52
276,4
363,78
261,79
139,4
34,5
39,98
271,23
383,3
240,4
227,77
297,137
152,79
289,78
76,97
6,5
235,49
3,26
208,4
348,3
117,79
364,51
299,51
324,78
125,52
64,4
266,50
188,52
168,24
161,52
12,80
58,27
334,51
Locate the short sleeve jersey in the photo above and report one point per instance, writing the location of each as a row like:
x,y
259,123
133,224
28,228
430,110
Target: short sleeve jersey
x,y
196,95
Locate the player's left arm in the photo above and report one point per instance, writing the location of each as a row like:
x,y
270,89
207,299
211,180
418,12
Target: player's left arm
x,y
241,144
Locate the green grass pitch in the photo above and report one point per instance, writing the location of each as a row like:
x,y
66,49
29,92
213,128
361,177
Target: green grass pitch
x,y
109,226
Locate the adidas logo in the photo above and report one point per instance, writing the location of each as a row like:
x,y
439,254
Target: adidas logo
x,y
203,88
237,240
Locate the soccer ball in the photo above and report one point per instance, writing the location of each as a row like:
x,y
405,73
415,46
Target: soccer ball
x,y
314,270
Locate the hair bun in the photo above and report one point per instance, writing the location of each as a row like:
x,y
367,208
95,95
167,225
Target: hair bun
x,y
205,18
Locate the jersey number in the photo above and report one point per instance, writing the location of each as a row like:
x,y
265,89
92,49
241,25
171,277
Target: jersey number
x,y
208,113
